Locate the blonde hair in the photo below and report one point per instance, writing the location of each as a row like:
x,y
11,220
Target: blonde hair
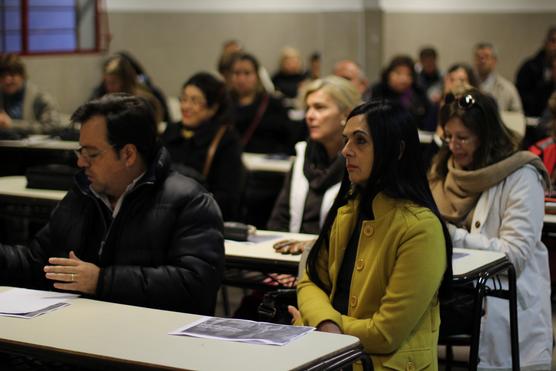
x,y
342,92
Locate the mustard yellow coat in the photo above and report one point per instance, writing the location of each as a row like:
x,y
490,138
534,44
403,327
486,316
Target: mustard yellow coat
x,y
393,306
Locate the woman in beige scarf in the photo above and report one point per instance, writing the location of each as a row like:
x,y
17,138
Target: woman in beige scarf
x,y
492,197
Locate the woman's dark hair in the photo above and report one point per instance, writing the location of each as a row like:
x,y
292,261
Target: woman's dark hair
x,y
397,61
215,93
397,172
11,63
483,118
471,76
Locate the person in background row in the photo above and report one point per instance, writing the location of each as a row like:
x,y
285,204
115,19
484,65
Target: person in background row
x,y
130,230
119,76
383,255
351,71
492,196
533,80
493,83
290,73
24,107
265,128
205,144
399,83
546,148
314,70
314,180
429,77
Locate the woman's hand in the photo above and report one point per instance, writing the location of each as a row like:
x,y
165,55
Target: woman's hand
x,y
329,326
296,314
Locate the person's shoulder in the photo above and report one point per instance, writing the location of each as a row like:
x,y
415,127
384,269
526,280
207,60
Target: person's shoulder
x,y
178,186
417,215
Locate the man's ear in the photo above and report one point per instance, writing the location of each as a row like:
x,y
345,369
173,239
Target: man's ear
x,y
130,154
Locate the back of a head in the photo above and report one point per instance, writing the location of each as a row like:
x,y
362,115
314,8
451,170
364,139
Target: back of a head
x,y
342,92
11,63
129,120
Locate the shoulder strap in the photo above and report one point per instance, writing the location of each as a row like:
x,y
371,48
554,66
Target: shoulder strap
x,y
212,149
256,120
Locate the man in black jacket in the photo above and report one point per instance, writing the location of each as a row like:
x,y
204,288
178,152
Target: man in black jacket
x,y
534,81
130,230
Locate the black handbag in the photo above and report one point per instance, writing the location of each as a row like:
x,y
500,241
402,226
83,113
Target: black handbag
x,y
274,307
456,312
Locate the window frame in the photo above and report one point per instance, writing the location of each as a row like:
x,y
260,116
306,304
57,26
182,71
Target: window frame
x,y
101,33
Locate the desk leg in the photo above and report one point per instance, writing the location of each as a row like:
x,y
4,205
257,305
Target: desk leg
x,y
478,312
514,334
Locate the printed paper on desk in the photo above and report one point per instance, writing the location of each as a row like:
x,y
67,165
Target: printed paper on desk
x,y
243,331
25,303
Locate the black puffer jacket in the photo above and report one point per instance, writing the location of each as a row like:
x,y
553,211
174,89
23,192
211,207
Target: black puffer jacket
x,y
164,249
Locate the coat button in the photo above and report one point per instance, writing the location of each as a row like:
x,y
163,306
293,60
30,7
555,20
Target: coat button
x,y
477,224
360,264
353,301
410,366
368,230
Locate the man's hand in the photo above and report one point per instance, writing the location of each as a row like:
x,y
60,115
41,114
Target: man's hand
x,y
73,274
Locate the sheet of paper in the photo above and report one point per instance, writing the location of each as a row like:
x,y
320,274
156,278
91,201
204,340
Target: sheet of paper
x,y
243,331
29,303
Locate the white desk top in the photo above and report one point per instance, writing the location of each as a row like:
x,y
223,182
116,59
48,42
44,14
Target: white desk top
x,y
15,186
40,142
139,335
262,162
463,262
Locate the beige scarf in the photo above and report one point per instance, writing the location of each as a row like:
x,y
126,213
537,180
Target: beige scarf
x,y
458,193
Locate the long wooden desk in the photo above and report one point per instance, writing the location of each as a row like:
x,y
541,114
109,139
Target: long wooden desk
x,y
97,334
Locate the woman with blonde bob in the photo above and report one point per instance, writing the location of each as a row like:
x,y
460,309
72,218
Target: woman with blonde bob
x,y
314,179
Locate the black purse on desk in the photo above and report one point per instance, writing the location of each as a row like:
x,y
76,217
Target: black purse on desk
x,y
52,176
274,307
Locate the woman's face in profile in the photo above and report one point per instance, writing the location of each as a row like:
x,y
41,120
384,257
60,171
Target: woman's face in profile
x,y
194,109
463,143
400,78
358,150
323,118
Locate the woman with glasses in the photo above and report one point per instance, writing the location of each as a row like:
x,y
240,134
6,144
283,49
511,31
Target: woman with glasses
x,y
492,197
383,254
205,145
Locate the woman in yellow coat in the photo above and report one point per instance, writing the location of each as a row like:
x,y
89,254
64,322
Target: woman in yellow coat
x,y
383,253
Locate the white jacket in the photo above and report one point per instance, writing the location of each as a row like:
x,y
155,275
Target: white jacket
x,y
299,187
509,218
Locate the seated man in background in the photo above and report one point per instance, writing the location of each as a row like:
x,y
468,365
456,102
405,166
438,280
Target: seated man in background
x,y
23,106
491,82
130,231
351,71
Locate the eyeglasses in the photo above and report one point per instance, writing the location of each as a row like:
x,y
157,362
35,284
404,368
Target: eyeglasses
x,y
88,155
197,102
456,140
